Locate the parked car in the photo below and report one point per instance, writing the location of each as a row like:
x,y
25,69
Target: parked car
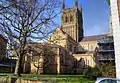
x,y
107,80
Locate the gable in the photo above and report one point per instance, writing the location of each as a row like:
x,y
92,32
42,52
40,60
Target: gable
x,y
59,34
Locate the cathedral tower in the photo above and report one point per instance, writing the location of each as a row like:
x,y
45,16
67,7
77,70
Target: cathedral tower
x,y
72,22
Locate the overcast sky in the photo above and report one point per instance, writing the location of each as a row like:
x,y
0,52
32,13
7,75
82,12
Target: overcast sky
x,y
96,15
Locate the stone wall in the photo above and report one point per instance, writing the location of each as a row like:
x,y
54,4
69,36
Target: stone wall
x,y
55,59
89,59
6,79
88,46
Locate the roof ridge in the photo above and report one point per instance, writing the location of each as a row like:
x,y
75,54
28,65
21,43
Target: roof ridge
x,y
93,38
96,35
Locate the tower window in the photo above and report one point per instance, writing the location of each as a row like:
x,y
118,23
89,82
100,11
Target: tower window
x,y
71,18
66,19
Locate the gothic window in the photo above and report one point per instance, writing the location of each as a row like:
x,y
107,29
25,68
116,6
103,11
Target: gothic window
x,y
82,62
75,64
86,64
71,47
66,19
71,18
74,49
62,18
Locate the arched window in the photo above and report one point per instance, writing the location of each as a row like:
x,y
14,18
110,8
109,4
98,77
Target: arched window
x,y
81,62
66,19
75,49
71,47
71,18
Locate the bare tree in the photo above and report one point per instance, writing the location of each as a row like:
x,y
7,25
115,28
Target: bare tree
x,y
41,55
23,20
35,53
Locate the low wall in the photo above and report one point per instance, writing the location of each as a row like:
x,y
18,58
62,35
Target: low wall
x,y
6,79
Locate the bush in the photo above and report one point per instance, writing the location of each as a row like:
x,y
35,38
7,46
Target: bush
x,y
108,70
92,73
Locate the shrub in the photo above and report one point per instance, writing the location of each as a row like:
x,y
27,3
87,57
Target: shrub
x,y
92,73
108,70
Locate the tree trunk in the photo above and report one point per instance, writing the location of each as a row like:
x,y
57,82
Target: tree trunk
x,y
18,64
17,67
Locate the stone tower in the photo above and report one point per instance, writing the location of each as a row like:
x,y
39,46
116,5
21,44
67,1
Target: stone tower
x,y
72,22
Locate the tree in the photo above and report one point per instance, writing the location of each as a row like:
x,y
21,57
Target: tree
x,y
41,55
35,53
93,72
24,20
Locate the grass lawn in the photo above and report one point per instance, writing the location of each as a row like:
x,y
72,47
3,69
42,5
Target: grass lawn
x,y
54,78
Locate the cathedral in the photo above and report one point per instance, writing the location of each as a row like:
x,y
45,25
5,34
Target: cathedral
x,y
70,35
67,51
71,51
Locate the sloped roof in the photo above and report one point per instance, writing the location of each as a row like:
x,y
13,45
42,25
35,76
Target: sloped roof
x,y
66,34
45,44
93,38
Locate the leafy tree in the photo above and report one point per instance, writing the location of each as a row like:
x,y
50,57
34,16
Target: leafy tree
x,y
24,20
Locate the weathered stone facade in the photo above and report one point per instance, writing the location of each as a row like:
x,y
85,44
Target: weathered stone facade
x,y
63,39
72,22
89,59
90,43
70,34
3,45
71,51
48,59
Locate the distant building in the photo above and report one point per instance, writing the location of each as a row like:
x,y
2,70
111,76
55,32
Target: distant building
x,y
3,47
105,51
5,64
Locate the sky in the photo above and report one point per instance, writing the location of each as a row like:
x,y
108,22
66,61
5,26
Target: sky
x,y
96,16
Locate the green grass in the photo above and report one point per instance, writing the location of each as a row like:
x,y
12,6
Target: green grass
x,y
63,79
6,74
53,78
